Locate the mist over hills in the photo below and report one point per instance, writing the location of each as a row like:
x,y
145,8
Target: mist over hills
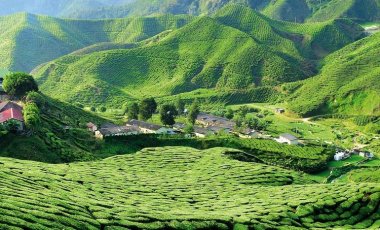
x,y
289,10
59,8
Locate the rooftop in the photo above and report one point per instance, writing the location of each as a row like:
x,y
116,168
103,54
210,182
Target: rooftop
x,y
10,114
289,137
118,130
144,125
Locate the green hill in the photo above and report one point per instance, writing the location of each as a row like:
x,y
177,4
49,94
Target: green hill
x,y
178,188
237,49
27,40
348,83
289,10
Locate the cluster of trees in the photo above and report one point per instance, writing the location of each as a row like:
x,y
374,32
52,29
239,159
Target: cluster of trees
x,y
24,87
246,117
19,84
168,112
142,110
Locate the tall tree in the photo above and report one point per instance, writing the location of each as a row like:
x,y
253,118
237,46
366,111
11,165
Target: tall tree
x,y
32,116
19,84
133,111
147,108
168,114
193,112
180,105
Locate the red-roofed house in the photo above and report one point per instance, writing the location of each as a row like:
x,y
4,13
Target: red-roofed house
x,y
10,111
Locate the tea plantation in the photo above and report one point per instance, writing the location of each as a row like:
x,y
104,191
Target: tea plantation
x,y
178,188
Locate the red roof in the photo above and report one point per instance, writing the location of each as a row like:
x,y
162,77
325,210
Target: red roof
x,y
10,114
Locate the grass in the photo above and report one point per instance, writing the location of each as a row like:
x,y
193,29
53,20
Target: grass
x,y
177,188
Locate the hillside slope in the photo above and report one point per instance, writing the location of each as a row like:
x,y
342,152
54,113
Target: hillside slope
x,y
349,82
178,188
289,10
29,40
61,136
238,49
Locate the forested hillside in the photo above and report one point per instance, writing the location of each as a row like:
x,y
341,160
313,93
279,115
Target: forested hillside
x,y
348,82
27,40
207,53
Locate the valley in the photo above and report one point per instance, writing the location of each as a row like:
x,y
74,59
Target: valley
x,y
196,114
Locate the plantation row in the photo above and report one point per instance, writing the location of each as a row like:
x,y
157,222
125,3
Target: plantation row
x,y
177,188
307,159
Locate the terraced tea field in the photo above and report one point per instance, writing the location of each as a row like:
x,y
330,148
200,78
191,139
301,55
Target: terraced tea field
x,y
177,188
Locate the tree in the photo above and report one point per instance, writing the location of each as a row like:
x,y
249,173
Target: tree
x,y
37,98
180,105
103,109
229,114
147,108
133,111
193,112
19,84
32,116
189,129
12,126
168,114
93,109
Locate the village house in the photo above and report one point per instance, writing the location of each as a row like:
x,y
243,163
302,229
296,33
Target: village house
x,y
209,120
249,133
288,139
91,127
341,155
10,111
280,110
116,131
202,132
367,155
149,128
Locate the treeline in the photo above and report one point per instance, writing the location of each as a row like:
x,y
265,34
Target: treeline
x,y
168,112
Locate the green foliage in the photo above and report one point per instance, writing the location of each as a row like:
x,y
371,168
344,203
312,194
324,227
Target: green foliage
x,y
147,108
32,117
180,106
103,109
19,84
133,111
36,98
168,114
193,112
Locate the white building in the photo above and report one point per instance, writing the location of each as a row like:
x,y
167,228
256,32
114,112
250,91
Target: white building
x,y
149,128
366,155
288,139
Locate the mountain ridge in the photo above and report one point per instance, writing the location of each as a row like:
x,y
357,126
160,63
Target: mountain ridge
x,y
206,53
